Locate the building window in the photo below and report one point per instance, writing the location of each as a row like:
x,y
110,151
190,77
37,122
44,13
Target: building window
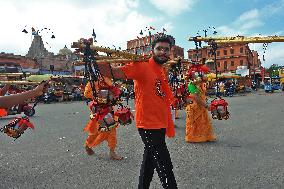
x,y
225,65
208,54
241,50
232,63
139,51
147,49
218,53
232,51
218,63
225,52
132,51
241,62
190,56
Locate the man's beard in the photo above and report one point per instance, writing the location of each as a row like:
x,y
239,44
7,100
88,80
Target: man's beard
x,y
160,61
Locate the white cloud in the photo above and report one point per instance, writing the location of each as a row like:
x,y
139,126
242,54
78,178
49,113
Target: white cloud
x,y
249,20
132,3
246,21
252,19
273,55
273,8
114,21
228,31
251,25
173,7
249,15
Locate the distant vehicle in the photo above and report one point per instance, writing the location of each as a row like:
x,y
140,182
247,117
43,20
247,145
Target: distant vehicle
x,y
49,97
10,69
2,69
229,91
271,84
27,109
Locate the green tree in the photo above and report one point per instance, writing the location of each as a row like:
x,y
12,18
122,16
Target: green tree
x,y
273,70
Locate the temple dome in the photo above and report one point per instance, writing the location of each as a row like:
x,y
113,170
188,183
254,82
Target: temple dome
x,y
65,51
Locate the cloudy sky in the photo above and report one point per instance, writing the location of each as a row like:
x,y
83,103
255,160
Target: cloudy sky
x,y
116,21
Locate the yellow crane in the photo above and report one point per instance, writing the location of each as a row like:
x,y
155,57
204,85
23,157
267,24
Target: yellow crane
x,y
239,39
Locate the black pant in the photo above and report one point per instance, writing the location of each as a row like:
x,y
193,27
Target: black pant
x,y
156,156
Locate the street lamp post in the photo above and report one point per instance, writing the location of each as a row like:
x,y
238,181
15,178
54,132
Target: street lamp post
x,y
214,48
254,78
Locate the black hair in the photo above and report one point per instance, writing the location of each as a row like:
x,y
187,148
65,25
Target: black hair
x,y
163,38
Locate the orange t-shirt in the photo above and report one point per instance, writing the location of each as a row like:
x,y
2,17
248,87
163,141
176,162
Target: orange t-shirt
x,y
152,108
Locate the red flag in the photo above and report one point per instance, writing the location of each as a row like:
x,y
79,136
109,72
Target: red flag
x,y
164,30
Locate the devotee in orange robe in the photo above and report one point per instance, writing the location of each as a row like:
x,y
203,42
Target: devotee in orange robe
x,y
198,124
95,137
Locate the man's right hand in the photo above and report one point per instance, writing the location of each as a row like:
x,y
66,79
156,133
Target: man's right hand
x,y
41,88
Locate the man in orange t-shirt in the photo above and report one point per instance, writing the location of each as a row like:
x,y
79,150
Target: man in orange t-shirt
x,y
153,98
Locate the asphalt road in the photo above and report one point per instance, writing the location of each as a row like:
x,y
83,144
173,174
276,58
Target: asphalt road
x,y
248,153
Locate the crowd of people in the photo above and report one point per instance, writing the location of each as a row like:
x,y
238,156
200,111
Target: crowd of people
x,y
156,92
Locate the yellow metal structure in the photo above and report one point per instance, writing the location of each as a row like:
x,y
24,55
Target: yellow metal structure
x,y
239,39
113,56
20,82
281,75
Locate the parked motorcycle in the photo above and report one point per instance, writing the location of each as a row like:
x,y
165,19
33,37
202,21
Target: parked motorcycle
x,y
230,91
253,86
27,109
49,97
